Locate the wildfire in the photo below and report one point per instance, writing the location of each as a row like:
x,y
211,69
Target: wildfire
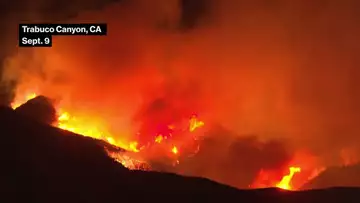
x,y
159,138
91,127
174,150
195,124
129,161
285,182
133,157
21,100
270,178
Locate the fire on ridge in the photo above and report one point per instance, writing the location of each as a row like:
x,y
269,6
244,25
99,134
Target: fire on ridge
x,y
132,159
89,127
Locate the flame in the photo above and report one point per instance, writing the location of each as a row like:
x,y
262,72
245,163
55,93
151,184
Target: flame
x,y
18,101
159,139
91,127
195,123
285,182
133,146
111,140
129,161
174,150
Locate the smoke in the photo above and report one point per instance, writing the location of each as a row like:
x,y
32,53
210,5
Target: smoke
x,y
280,70
23,11
236,160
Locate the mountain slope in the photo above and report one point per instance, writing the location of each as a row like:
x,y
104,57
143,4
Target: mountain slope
x,y
44,164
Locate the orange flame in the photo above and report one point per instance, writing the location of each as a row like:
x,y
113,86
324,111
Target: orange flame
x,y
174,150
159,139
195,123
285,182
21,100
89,126
128,161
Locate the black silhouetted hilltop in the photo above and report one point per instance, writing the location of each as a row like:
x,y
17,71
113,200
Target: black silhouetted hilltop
x,y
45,164
40,163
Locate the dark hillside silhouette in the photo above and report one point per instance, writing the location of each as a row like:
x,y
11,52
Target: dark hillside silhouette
x,y
43,164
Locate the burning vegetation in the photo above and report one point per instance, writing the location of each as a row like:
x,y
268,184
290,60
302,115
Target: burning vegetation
x,y
204,92
163,135
164,142
165,139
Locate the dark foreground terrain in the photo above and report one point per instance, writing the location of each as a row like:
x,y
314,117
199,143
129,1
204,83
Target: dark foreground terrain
x,y
40,163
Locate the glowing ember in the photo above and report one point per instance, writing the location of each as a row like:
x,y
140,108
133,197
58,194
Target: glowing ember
x,y
195,123
175,150
159,139
128,161
285,182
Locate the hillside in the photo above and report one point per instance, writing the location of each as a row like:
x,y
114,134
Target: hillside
x,y
44,164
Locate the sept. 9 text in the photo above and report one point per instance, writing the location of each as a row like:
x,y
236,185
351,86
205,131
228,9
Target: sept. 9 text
x,y
35,41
